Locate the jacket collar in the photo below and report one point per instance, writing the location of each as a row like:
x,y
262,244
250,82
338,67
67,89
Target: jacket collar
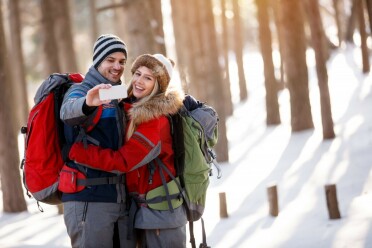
x,y
162,104
93,76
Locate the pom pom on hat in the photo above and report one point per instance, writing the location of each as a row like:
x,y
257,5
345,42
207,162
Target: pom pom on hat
x,y
166,62
161,66
105,45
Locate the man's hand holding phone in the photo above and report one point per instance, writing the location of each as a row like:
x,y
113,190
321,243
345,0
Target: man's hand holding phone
x,y
104,93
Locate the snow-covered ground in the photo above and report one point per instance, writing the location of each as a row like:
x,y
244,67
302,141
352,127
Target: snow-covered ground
x,y
300,164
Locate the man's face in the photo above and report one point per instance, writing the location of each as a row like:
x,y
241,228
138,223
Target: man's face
x,y
112,67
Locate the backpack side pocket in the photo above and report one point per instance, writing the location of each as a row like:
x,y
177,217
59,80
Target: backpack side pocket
x,y
68,180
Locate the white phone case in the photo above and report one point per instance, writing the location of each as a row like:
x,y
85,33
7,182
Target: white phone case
x,y
115,92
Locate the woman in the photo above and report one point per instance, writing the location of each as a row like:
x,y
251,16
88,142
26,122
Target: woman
x,y
147,152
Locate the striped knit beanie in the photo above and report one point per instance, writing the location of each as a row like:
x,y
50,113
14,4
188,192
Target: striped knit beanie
x,y
105,45
161,67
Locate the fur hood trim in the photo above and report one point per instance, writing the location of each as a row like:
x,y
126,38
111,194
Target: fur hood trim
x,y
162,104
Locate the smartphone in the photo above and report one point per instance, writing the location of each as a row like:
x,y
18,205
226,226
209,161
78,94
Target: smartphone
x,y
115,92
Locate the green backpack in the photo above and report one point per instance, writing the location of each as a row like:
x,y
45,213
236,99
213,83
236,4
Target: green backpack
x,y
193,165
194,161
194,132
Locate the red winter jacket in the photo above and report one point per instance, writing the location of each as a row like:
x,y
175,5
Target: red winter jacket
x,y
151,139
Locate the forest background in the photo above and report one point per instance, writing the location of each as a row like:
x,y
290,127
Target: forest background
x,y
208,40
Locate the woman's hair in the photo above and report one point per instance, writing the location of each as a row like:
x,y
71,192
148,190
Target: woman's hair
x,y
155,91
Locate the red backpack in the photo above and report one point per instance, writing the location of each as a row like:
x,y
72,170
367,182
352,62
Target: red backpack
x,y
44,139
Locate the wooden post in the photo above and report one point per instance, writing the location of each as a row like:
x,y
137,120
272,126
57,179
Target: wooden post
x,y
272,195
223,206
332,204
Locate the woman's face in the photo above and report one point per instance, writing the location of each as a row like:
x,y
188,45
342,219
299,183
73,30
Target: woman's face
x,y
143,82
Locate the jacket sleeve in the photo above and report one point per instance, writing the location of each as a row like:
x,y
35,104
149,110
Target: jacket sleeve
x,y
71,111
139,150
97,158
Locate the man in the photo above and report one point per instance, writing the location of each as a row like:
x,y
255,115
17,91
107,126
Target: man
x,y
91,213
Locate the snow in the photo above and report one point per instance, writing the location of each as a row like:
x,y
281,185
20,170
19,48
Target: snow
x,y
300,164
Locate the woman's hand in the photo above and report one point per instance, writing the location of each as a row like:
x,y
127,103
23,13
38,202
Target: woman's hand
x,y
92,98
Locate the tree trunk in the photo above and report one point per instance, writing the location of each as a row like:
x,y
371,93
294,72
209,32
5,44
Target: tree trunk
x,y
196,61
238,40
363,36
18,70
279,26
50,48
201,65
187,19
93,21
11,185
181,30
317,36
64,38
119,20
351,23
337,4
369,11
117,8
295,64
327,43
211,76
225,49
272,106
141,36
157,24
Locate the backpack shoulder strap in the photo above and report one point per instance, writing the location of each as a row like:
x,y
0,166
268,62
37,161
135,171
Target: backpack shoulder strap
x,y
178,144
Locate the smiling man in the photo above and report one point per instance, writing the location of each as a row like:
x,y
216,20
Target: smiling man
x,y
92,212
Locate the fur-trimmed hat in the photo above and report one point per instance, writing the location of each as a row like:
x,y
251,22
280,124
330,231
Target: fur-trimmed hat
x,y
105,45
161,67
